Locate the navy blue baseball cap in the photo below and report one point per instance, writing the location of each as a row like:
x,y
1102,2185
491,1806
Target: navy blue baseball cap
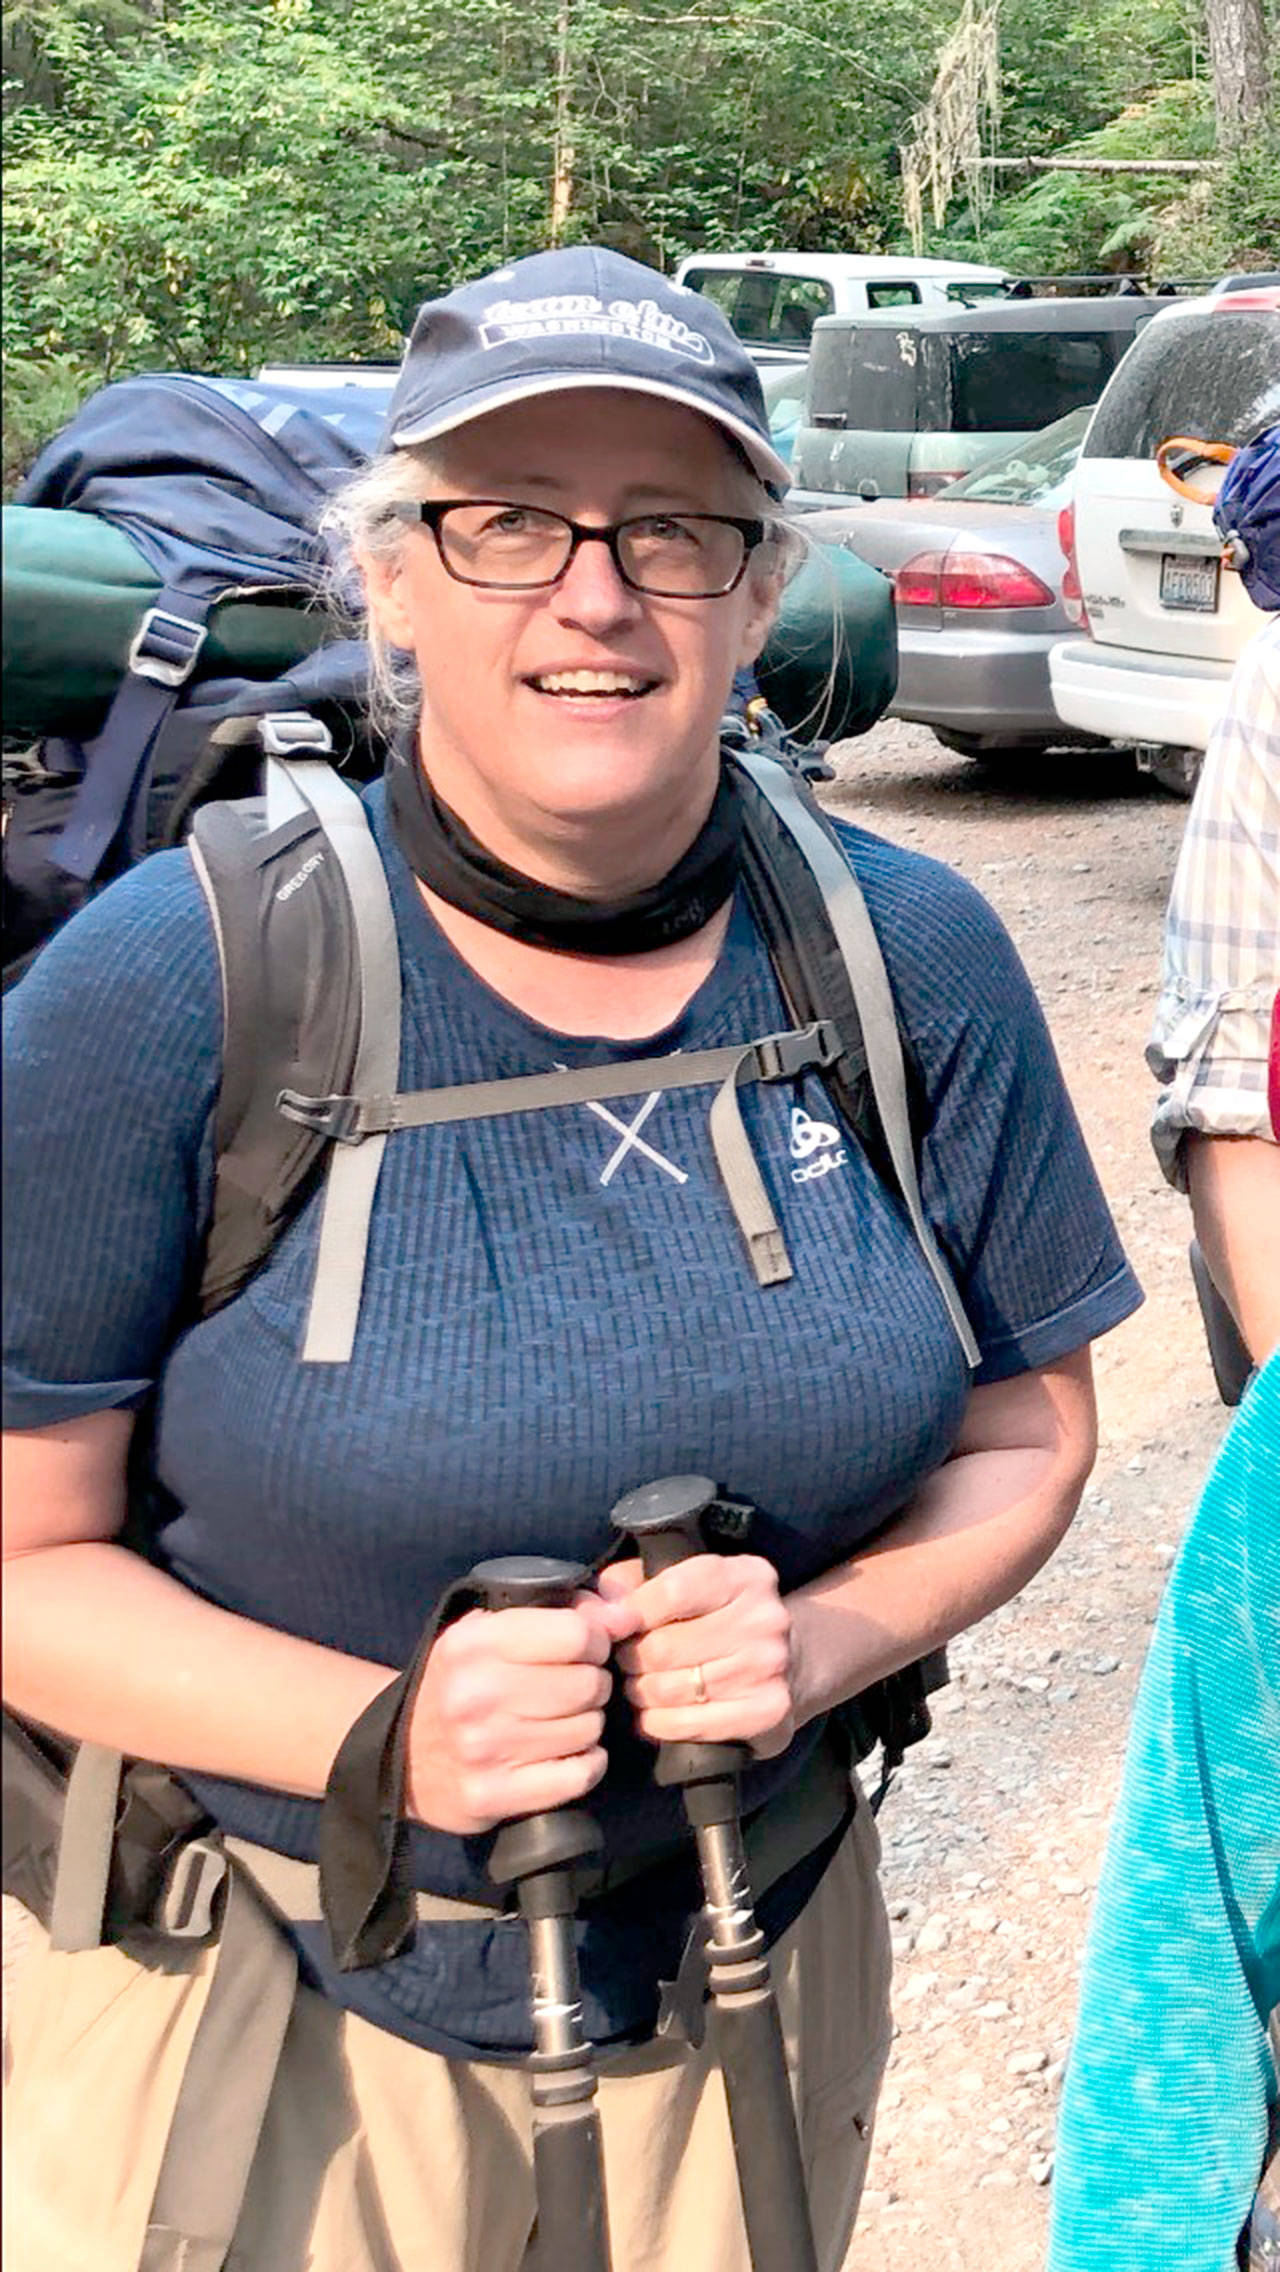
x,y
581,317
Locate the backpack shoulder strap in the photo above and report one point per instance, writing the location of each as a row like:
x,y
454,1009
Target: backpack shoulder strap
x,y
310,980
352,1174
816,918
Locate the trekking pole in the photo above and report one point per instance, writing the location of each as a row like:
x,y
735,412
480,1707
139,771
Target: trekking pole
x,y
539,1854
665,1521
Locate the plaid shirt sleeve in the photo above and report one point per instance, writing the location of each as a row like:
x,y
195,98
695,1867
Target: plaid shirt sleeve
x,y
1210,1043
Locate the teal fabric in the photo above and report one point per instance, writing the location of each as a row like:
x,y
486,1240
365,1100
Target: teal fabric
x,y
1165,2111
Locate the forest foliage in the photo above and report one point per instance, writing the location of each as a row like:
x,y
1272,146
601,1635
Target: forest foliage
x,y
211,184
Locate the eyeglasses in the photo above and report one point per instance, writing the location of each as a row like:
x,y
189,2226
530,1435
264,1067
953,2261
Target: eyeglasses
x,y
520,548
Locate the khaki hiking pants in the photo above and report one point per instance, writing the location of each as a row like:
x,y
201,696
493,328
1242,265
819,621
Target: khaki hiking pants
x,y
376,2156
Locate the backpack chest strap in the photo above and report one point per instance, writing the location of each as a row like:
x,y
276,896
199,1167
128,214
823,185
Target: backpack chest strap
x,y
351,1122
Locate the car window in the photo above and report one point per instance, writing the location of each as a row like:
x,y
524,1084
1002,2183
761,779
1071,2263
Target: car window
x,y
969,292
1023,379
783,382
1032,472
765,309
800,301
871,373
717,284
1215,375
893,295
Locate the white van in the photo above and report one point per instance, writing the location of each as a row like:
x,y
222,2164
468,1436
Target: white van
x,y
1163,617
773,299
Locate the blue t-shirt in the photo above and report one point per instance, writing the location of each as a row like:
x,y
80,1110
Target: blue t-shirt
x,y
557,1307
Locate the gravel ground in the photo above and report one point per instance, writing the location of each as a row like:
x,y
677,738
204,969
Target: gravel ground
x,y
994,1832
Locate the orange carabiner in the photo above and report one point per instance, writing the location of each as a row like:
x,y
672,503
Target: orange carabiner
x,y
1194,453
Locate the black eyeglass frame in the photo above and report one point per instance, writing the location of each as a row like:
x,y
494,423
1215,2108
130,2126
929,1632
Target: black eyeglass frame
x,y
428,512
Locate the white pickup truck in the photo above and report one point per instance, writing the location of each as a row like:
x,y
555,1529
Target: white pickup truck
x,y
773,299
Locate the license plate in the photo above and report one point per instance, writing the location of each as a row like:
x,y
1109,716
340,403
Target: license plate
x,y
1191,585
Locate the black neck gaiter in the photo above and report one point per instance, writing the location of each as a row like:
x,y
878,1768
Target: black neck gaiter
x,y
445,856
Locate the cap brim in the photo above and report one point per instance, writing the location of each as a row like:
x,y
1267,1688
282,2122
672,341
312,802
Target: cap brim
x,y
773,470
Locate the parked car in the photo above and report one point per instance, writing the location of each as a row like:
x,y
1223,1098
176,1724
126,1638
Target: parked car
x,y
977,574
1160,616
773,299
330,375
898,407
783,385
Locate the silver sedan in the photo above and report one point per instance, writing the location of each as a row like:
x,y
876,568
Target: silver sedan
x,y
977,573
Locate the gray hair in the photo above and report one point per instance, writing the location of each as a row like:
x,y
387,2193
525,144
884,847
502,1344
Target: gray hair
x,y
360,521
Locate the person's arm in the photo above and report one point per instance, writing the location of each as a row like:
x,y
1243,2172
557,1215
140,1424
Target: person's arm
x,y
975,1534
979,1528
104,1647
1234,1182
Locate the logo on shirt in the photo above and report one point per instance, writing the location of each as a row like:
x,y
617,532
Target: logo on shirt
x,y
816,1144
632,1140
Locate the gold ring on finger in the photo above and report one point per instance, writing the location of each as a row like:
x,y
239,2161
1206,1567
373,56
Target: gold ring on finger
x,y
699,1685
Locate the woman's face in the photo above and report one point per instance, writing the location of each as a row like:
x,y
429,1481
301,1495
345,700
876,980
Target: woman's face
x,y
519,753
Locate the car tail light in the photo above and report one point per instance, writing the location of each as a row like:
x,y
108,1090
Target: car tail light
x,y
991,579
928,484
1073,606
918,582
968,580
1263,296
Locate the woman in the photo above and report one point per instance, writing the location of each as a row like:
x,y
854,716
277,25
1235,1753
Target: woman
x,y
574,535
1171,2104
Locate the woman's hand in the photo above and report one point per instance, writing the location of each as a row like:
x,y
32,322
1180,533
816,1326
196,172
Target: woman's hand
x,y
509,1715
710,1657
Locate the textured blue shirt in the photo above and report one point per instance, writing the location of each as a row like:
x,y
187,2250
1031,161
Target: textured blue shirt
x,y
1164,2115
557,1307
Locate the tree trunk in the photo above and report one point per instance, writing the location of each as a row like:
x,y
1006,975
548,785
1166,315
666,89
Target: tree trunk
x,y
1238,53
562,155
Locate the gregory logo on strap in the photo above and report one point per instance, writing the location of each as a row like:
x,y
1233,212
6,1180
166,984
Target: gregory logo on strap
x,y
811,1137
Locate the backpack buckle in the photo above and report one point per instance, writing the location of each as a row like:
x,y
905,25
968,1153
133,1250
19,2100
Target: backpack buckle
x,y
187,1905
166,647
340,1118
294,733
784,1056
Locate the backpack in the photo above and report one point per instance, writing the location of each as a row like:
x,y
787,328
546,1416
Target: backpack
x,y
297,893
1246,515
165,588
190,599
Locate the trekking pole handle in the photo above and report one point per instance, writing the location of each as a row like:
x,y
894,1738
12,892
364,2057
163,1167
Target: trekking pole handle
x,y
526,1581
537,1846
665,1520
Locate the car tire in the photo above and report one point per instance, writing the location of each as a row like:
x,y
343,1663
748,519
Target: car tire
x,y
1062,761
1176,770
992,749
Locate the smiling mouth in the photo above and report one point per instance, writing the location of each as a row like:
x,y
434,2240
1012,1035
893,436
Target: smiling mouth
x,y
602,685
